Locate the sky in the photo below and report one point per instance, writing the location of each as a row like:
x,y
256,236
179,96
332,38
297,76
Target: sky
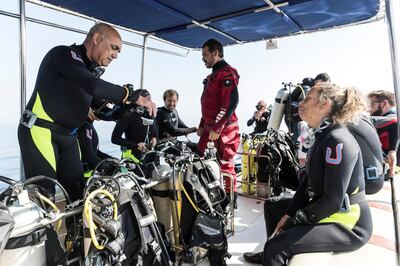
x,y
354,56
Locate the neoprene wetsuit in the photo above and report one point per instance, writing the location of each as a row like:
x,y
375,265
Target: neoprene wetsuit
x,y
261,125
89,146
170,124
63,92
334,169
135,131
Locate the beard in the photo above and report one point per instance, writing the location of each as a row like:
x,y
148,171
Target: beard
x,y
377,112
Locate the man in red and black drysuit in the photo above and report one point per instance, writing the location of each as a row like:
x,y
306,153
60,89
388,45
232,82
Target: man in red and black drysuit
x,y
383,112
218,103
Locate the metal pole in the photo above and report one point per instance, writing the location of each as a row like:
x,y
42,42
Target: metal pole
x,y
390,22
22,60
394,53
143,61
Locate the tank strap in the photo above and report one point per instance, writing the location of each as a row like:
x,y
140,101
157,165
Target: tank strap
x,y
160,193
27,240
164,193
138,216
144,222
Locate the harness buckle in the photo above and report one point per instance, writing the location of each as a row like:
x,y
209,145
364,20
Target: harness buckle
x,y
155,247
346,204
28,118
371,172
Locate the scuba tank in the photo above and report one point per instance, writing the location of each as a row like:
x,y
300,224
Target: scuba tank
x,y
29,215
249,162
245,163
6,226
176,205
27,237
161,196
29,247
279,108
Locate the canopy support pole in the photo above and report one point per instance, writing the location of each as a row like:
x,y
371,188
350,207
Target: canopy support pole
x,y
22,65
393,52
144,50
390,22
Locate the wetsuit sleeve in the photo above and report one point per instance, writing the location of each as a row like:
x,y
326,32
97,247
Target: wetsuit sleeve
x,y
300,198
266,115
340,160
228,82
154,129
393,137
88,149
250,121
165,123
182,128
97,103
181,124
101,110
120,127
71,65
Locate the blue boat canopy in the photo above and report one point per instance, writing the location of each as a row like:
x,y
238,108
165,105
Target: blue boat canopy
x,y
191,22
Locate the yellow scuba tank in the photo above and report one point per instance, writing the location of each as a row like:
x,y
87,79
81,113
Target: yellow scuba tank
x,y
176,205
253,163
245,163
249,166
160,195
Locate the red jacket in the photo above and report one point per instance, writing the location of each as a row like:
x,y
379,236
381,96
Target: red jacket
x,y
220,97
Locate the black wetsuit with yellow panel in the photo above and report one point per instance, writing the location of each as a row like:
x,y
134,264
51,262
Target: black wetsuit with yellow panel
x,y
65,86
332,200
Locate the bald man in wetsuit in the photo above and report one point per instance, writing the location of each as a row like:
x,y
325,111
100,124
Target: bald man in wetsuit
x,y
261,117
67,81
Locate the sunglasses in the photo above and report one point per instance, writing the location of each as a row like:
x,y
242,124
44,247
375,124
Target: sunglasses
x,y
258,107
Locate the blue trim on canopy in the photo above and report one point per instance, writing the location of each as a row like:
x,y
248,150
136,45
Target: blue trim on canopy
x,y
229,21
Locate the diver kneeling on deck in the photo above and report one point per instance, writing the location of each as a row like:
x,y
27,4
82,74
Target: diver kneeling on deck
x,y
328,212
